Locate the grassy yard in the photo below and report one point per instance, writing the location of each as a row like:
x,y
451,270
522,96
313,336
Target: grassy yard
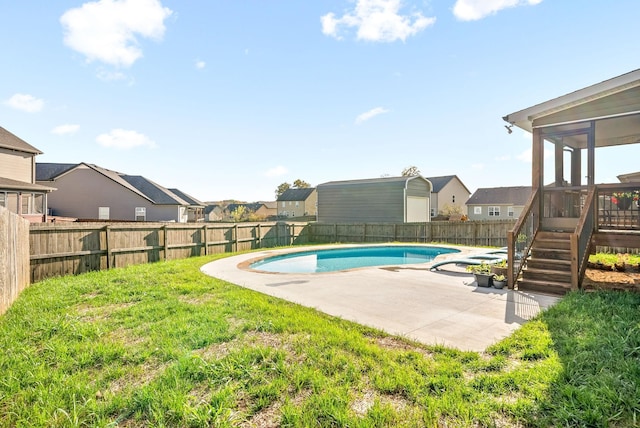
x,y
164,345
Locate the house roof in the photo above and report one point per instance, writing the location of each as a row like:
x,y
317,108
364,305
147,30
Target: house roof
x,y
632,176
49,171
142,186
253,206
272,205
590,95
212,207
9,184
11,142
296,194
439,182
516,195
185,197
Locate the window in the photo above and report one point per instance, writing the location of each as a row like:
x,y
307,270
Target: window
x,y
284,204
141,213
510,212
433,212
477,210
297,203
494,211
453,199
26,203
103,213
38,203
3,199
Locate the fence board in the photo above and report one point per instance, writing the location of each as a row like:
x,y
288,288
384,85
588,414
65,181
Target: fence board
x,y
14,257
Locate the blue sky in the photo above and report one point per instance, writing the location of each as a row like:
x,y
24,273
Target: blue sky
x,y
228,99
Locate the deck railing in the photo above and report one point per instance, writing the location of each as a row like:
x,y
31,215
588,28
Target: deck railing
x,y
520,238
618,207
581,238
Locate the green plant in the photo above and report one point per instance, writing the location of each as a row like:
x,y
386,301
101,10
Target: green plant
x,y
482,269
499,278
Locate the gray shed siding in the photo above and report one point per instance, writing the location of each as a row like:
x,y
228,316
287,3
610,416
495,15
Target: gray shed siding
x,y
373,202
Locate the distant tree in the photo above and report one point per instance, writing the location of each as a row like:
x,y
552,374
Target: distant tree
x,y
410,171
300,184
282,188
239,213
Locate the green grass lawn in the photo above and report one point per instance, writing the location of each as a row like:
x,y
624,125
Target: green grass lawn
x,y
164,345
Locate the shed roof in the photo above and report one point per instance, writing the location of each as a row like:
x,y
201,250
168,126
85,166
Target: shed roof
x,y
402,179
516,195
12,142
296,194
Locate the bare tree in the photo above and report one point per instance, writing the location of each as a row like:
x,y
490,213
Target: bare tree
x,y
410,171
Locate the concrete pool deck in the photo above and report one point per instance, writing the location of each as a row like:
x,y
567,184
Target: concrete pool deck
x,y
443,307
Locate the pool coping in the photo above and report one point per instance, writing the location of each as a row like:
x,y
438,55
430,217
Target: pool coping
x,y
246,265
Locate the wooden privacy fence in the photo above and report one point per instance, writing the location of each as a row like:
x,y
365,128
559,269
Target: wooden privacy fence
x,y
73,248
472,233
14,257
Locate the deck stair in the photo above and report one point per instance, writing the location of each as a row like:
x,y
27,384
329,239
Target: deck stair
x,y
548,268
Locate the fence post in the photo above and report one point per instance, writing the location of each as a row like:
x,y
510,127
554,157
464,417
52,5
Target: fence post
x,y
166,244
235,237
108,245
335,232
204,239
259,241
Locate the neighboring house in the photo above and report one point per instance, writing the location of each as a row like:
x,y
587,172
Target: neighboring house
x,y
213,212
376,200
449,193
270,209
88,191
298,202
195,210
19,192
628,178
497,203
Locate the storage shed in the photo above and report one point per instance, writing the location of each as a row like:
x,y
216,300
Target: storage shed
x,y
376,200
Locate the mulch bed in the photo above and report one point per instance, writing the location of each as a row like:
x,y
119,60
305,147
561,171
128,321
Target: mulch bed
x,y
600,279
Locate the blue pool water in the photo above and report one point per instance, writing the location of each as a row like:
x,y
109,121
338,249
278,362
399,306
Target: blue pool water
x,y
349,258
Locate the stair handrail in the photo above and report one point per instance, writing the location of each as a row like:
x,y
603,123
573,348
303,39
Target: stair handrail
x,y
582,236
519,240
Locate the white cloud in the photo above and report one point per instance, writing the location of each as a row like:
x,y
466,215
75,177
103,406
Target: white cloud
x,y
106,30
66,129
123,139
276,171
377,21
370,114
502,158
25,102
472,10
200,65
478,166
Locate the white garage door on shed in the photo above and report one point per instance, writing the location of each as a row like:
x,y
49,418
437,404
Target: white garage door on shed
x,y
417,209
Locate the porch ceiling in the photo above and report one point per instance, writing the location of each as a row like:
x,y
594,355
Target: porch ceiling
x,y
614,104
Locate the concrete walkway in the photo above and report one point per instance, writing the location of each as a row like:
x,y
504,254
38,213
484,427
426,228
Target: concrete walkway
x,y
443,307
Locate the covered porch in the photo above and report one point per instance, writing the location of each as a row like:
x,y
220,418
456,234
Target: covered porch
x,y
570,211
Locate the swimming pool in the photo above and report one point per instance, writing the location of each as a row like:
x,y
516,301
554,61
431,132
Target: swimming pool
x,y
336,259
